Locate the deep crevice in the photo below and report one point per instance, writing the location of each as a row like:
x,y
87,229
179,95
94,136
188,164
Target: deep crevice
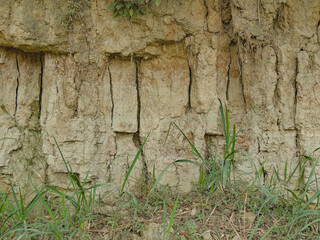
x,y
242,84
136,136
295,110
190,86
276,96
139,105
17,88
41,85
111,92
46,172
318,32
228,73
207,14
112,112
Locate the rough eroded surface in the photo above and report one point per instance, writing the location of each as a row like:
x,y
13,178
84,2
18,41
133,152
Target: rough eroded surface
x,y
101,85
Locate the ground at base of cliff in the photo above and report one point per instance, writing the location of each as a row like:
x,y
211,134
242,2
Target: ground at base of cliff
x,y
236,211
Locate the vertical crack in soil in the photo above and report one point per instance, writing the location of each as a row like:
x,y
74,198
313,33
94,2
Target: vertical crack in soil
x,y
228,73
190,86
295,110
318,32
41,85
136,136
46,170
17,88
242,84
111,93
139,103
112,112
207,14
276,95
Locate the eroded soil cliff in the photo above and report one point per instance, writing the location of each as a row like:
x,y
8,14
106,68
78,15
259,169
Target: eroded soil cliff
x,y
99,85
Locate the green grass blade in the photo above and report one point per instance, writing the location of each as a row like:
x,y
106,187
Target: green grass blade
x,y
12,229
255,227
32,203
270,198
225,170
154,173
68,165
217,232
264,190
314,197
296,198
165,141
195,234
173,214
156,183
190,221
317,149
188,161
302,215
222,117
164,219
14,195
132,165
233,143
270,229
71,199
133,200
306,227
267,233
45,204
22,209
15,211
227,125
293,172
311,174
74,179
191,145
317,187
285,171
277,173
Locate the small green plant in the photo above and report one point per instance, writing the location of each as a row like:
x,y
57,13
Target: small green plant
x,y
166,234
16,212
128,8
4,109
74,12
215,172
